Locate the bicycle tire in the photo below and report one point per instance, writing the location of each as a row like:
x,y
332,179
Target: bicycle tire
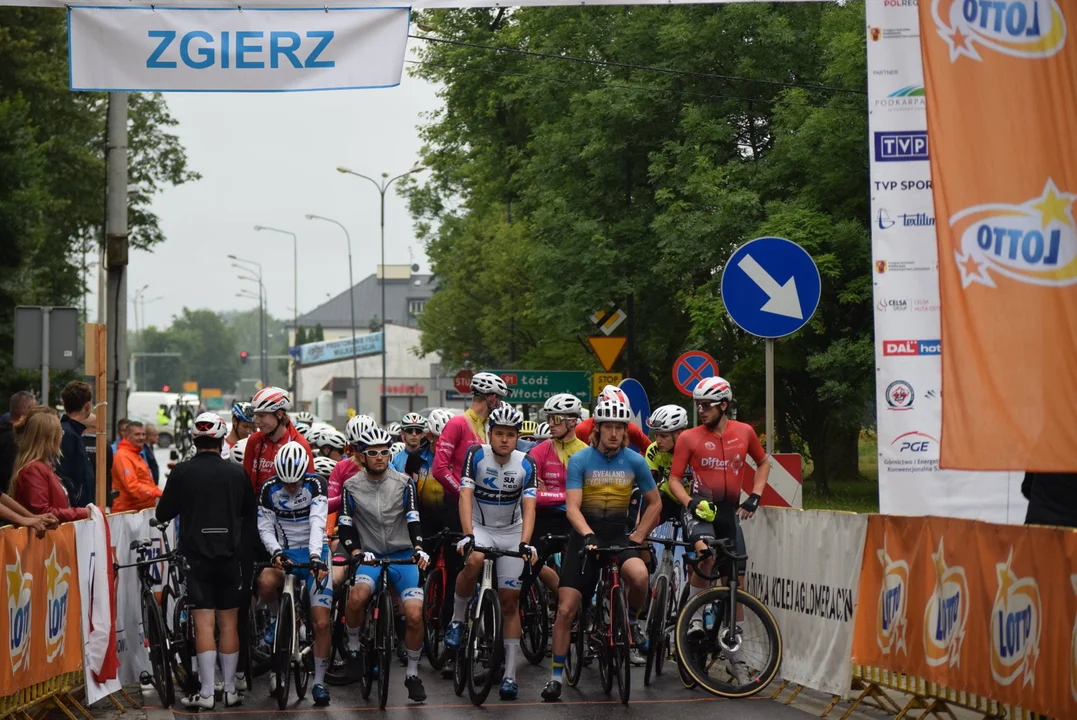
x,y
368,655
433,622
485,647
690,661
686,679
459,672
656,628
576,649
337,666
157,642
535,623
385,632
283,642
620,666
183,646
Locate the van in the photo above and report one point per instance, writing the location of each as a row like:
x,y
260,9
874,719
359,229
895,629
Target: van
x,y
144,407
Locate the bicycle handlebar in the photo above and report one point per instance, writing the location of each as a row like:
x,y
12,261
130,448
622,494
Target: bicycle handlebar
x,y
498,552
670,543
170,557
611,550
724,548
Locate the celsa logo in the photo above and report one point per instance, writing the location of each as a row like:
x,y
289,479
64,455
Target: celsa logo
x,y
19,586
1033,242
1019,28
899,395
57,577
946,613
1015,626
892,604
913,442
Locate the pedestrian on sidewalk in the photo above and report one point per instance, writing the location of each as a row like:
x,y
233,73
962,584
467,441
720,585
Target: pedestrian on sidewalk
x,y
130,473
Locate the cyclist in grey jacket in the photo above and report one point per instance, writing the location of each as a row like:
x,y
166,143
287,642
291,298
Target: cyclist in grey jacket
x,y
379,518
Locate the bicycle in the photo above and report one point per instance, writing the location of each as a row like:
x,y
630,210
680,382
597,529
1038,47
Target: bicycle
x,y
292,644
154,632
378,634
434,590
182,427
339,671
724,637
174,606
534,601
662,613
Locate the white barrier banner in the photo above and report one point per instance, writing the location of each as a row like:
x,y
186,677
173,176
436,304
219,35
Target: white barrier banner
x,y
236,50
805,567
130,637
93,556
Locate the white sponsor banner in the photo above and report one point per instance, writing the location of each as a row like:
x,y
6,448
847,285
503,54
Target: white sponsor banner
x,y
236,50
94,556
906,283
805,567
130,636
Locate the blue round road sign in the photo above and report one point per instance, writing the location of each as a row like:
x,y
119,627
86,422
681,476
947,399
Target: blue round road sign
x,y
771,287
690,368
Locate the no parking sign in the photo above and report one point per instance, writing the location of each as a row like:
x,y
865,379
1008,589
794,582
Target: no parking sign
x,y
690,368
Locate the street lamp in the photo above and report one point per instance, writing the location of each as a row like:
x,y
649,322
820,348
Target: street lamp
x,y
382,187
295,294
351,301
264,364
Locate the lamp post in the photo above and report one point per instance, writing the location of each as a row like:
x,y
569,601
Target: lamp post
x,y
382,187
295,294
263,366
351,301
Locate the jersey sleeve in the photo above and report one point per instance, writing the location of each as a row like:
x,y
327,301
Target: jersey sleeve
x,y
652,457
346,530
249,458
442,468
530,483
583,429
267,520
471,467
682,453
642,471
755,448
397,463
319,514
574,477
411,513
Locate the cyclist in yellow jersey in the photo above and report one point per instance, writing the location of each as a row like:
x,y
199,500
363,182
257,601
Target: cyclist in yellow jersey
x,y
667,423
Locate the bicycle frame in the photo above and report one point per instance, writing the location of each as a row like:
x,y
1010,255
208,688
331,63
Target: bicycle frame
x,y
727,559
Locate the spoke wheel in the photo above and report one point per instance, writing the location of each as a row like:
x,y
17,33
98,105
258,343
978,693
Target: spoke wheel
x,y
368,656
620,666
656,629
459,673
484,649
182,643
384,628
433,622
535,623
156,643
338,671
576,649
282,650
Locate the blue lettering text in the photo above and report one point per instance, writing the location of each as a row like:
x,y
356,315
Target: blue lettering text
x,y
154,61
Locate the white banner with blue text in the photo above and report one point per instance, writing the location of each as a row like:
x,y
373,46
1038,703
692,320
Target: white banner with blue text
x,y
234,49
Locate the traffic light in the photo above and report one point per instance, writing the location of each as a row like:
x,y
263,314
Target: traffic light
x,y
243,357
165,388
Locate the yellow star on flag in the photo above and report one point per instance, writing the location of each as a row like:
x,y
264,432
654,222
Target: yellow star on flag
x,y
52,569
940,563
1006,578
1054,205
14,576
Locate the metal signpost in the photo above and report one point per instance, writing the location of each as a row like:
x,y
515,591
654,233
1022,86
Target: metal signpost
x,y
771,288
46,338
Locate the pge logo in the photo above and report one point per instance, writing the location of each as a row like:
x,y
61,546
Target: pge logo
x,y
19,585
946,613
56,582
1019,28
1032,242
899,395
1015,626
892,604
913,442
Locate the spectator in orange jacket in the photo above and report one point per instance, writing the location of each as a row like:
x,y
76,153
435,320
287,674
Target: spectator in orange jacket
x,y
130,474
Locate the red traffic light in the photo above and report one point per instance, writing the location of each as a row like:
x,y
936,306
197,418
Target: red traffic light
x,y
243,356
166,388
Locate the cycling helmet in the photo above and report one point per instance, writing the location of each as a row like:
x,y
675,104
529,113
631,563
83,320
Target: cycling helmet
x,y
291,462
374,436
305,417
668,418
413,420
332,438
563,404
393,429
324,466
506,415
304,430
612,410
585,413
612,392
313,436
485,383
357,426
242,412
209,425
542,432
435,424
271,399
395,448
714,389
528,428
236,453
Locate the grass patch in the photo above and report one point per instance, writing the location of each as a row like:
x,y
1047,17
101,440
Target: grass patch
x,y
859,496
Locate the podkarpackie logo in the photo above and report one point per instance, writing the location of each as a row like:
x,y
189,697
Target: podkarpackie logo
x,y
19,585
892,604
946,613
1019,28
1034,242
1015,626
57,579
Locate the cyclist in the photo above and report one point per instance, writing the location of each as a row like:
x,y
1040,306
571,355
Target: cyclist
x,y
242,426
667,422
636,437
380,519
212,499
324,466
275,430
415,461
303,429
343,470
716,451
236,453
551,462
542,432
331,443
291,522
527,431
598,490
305,417
394,430
497,510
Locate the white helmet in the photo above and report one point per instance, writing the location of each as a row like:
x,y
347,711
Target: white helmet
x,y
714,389
304,430
332,438
562,404
612,392
506,415
585,413
375,436
357,426
485,383
305,417
324,466
313,435
291,462
393,429
271,399
209,425
668,418
413,420
612,410
236,453
395,448
436,422
542,432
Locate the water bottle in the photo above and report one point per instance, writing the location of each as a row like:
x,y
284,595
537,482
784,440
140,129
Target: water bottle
x,y
302,632
708,617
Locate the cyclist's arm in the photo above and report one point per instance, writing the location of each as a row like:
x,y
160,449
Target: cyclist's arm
x,y
168,506
442,467
762,470
249,458
411,512
347,533
646,484
267,522
528,502
574,496
467,489
319,515
682,453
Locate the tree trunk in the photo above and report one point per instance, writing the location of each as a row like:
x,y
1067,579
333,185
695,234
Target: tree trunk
x,y
836,457
784,440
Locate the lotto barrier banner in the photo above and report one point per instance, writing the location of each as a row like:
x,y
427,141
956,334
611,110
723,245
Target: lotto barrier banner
x,y
42,631
984,608
93,556
237,50
1002,117
909,349
805,567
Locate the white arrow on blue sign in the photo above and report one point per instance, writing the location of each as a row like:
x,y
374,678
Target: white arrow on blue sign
x,y
771,287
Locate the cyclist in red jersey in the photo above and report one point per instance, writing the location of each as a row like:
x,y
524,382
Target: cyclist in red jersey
x,y
275,429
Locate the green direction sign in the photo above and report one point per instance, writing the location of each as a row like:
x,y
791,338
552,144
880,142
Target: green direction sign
x,y
535,386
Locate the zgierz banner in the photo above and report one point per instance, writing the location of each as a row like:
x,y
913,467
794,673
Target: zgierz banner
x,y
236,50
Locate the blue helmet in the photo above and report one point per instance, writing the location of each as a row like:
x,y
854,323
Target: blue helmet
x,y
242,412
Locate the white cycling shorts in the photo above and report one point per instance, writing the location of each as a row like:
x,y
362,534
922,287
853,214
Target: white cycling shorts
x,y
509,569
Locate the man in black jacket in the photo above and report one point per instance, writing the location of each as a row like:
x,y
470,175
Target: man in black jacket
x,y
213,498
74,468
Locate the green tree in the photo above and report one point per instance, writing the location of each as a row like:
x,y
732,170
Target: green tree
x,y
317,334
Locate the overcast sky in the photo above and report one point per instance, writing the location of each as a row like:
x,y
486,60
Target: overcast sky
x,y
269,159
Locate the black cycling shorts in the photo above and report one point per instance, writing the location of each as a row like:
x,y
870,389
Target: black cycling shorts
x,y
549,521
726,525
214,584
582,573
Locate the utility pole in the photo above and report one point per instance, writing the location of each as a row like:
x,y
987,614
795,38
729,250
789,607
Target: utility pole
x,y
116,251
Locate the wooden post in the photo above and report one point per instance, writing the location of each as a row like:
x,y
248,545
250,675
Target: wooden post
x,y
97,366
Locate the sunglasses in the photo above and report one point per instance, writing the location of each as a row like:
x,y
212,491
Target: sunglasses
x,y
704,407
554,420
413,431
378,453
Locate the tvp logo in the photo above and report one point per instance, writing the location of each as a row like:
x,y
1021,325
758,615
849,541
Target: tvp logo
x,y
19,586
57,579
893,603
1018,28
946,613
1015,626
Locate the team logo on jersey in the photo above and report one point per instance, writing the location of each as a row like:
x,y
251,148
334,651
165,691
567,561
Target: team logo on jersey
x,y
946,613
1034,242
1015,626
19,586
57,577
893,604
1018,28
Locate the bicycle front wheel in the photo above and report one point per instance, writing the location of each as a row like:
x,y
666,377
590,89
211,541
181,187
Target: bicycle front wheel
x,y
433,622
576,650
283,642
385,630
620,667
157,642
731,662
484,648
656,629
535,623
